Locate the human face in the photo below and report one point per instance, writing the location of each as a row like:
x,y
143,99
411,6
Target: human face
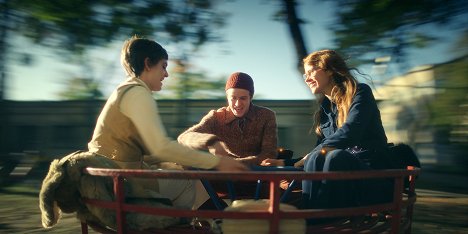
x,y
154,75
318,80
239,101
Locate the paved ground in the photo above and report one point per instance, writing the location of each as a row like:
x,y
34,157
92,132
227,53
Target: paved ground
x,y
442,207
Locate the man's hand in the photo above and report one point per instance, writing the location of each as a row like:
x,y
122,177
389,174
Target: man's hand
x,y
229,164
272,162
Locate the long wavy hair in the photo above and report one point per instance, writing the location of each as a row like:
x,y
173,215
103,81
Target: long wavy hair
x,y
344,83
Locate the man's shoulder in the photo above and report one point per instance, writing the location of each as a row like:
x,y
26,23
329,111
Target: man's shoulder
x,y
220,110
216,113
263,109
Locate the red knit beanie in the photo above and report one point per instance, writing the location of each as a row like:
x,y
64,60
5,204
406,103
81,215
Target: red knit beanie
x,y
240,80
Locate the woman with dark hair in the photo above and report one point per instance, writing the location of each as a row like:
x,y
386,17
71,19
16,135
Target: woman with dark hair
x,y
129,128
350,136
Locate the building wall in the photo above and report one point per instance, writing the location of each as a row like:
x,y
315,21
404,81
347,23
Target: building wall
x,y
56,128
428,108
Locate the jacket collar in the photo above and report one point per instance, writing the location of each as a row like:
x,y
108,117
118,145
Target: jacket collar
x,y
136,81
328,107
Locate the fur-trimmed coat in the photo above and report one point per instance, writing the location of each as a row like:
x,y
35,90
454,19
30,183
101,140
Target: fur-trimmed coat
x,y
65,185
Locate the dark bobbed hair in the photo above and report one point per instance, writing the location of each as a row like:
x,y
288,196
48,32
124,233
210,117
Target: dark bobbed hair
x,y
135,51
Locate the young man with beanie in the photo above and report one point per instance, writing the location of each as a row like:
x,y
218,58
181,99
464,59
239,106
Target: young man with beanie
x,y
241,130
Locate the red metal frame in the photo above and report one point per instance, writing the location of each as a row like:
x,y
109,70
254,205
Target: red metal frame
x,y
274,214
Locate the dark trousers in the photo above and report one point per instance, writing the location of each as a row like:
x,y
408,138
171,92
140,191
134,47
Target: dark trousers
x,y
342,193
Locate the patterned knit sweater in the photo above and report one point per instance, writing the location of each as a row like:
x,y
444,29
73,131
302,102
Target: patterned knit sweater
x,y
251,141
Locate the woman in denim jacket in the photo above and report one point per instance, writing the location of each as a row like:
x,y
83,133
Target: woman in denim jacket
x,y
350,136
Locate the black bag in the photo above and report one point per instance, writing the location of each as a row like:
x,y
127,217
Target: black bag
x,y
403,156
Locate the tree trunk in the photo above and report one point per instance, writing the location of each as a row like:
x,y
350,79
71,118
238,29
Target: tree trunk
x,y
295,30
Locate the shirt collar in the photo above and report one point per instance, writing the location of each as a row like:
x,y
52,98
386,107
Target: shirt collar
x,y
249,115
133,80
327,106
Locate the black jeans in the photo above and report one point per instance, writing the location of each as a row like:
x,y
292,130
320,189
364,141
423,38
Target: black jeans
x,y
342,193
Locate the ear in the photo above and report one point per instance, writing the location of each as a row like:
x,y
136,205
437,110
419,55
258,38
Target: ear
x,y
147,64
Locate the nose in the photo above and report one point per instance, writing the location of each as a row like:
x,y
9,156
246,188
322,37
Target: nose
x,y
309,78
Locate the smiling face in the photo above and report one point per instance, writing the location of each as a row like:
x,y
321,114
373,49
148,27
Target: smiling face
x,y
238,101
153,75
318,80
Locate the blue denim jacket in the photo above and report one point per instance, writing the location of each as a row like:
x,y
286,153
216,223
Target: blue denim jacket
x,y
362,128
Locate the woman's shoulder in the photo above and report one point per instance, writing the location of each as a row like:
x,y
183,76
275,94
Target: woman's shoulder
x,y
364,92
364,87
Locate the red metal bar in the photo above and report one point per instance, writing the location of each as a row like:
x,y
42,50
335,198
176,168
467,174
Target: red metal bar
x,y
252,175
119,199
337,212
397,204
411,195
274,206
84,228
274,214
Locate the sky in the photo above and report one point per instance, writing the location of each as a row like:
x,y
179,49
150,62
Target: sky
x,y
255,43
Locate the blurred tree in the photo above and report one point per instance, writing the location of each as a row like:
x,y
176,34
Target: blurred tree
x,y
192,85
81,89
448,112
77,25
288,14
365,28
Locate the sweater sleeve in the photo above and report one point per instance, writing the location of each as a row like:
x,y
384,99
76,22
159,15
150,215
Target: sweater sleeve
x,y
138,105
201,135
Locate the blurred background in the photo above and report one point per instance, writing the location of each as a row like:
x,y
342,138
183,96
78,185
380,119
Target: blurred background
x,y
60,59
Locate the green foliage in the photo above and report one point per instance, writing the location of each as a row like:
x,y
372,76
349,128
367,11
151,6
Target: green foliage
x,y
73,27
192,86
390,26
450,107
81,89
76,24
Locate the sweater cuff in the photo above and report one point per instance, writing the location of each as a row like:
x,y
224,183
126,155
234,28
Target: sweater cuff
x,y
213,139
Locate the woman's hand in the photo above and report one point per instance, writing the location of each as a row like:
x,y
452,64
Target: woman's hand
x,y
229,164
270,162
300,163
